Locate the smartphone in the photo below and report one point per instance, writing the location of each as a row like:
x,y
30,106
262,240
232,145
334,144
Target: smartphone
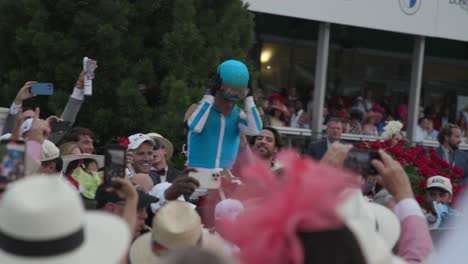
x,y
60,127
115,160
12,160
359,161
42,89
208,180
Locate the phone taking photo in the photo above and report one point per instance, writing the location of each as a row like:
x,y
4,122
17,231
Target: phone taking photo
x,y
42,89
207,180
60,127
359,161
12,160
115,162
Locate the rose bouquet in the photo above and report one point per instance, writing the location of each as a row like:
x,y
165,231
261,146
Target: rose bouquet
x,y
419,164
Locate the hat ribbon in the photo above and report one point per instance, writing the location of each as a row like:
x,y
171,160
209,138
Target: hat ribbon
x,y
41,248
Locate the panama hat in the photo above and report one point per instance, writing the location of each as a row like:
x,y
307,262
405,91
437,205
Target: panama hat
x,y
175,226
69,158
167,144
42,221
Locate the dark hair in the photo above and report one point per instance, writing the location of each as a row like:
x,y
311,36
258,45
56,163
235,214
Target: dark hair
x,y
282,117
76,132
58,163
331,247
276,134
421,119
355,114
334,119
446,131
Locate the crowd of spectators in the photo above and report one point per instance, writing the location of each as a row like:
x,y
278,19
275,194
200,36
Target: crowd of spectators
x,y
360,115
268,206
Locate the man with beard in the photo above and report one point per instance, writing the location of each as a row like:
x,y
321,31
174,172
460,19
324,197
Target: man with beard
x,y
267,144
450,138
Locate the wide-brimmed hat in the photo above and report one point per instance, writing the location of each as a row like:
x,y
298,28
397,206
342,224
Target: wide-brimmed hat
x,y
281,107
141,252
167,144
42,221
69,158
375,228
175,226
371,114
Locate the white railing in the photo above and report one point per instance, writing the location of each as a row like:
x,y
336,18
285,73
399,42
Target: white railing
x,y
289,133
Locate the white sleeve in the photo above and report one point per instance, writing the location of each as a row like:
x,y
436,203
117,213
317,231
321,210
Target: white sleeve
x,y
158,191
197,120
250,122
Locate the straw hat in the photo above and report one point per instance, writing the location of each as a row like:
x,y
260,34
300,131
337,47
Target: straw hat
x,y
167,144
175,226
42,221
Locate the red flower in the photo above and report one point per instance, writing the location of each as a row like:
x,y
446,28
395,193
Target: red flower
x,y
377,145
402,143
363,145
401,161
395,150
457,170
426,171
422,184
420,162
420,199
123,141
388,143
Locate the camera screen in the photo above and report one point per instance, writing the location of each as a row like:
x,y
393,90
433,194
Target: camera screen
x,y
359,161
12,166
115,163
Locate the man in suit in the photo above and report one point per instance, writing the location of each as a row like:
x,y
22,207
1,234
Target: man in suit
x,y
162,153
334,130
450,138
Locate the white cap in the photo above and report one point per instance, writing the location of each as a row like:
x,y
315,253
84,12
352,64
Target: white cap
x,y
26,126
136,140
439,182
49,151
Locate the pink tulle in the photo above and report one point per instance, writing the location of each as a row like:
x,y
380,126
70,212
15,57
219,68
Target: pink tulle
x,y
303,197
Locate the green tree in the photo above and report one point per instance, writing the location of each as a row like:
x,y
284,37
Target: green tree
x,y
154,57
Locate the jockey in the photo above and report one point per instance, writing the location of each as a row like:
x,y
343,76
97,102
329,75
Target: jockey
x,y
215,125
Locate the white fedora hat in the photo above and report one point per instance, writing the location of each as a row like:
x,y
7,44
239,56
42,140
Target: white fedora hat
x,y
42,221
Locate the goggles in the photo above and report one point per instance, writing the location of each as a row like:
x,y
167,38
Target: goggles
x,y
234,94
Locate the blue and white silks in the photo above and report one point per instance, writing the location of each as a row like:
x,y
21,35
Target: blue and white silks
x,y
213,138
